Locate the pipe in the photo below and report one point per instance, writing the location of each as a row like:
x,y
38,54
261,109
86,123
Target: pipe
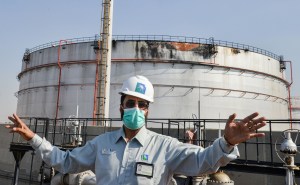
x,y
16,173
289,91
82,178
290,106
59,76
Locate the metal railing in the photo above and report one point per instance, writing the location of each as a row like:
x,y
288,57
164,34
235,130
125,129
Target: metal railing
x,y
60,132
65,133
165,38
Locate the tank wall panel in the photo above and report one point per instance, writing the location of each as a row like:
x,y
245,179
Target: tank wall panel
x,y
41,102
42,77
248,60
71,52
167,51
71,96
180,102
37,103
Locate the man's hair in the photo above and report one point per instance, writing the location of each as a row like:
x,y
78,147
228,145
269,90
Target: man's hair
x,y
122,98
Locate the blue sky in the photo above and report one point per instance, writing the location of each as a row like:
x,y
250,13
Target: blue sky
x,y
269,24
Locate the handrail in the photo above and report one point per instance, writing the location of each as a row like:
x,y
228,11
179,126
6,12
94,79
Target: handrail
x,y
60,133
165,38
172,127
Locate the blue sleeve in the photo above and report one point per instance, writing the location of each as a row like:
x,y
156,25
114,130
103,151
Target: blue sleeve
x,y
192,160
77,160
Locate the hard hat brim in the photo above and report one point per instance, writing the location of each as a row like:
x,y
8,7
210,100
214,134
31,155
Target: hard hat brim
x,y
136,94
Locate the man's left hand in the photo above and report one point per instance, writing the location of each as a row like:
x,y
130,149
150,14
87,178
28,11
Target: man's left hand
x,y
241,131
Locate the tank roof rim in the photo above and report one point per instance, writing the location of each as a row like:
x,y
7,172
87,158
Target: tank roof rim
x,y
165,38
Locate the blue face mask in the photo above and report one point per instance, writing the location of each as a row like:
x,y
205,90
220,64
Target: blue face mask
x,y
134,118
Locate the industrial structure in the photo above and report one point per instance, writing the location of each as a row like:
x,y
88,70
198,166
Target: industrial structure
x,y
192,77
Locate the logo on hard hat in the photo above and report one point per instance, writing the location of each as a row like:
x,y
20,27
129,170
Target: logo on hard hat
x,y
140,88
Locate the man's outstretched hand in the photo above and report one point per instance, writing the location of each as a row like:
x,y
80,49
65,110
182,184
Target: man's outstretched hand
x,y
241,131
19,127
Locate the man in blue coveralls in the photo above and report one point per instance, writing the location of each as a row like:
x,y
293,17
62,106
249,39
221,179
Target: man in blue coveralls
x,y
135,155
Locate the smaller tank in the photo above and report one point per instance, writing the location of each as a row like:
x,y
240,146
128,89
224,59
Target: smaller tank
x,y
219,178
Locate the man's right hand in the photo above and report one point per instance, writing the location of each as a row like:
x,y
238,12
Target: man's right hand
x,y
20,127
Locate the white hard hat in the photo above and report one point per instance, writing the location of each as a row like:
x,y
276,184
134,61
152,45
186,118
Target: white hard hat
x,y
138,86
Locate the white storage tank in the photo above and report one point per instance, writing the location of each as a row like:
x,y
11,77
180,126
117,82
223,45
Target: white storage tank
x,y
202,77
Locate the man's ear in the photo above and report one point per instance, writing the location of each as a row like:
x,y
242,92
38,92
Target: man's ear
x,y
121,108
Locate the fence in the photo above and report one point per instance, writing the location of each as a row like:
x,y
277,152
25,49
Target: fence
x,y
68,133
